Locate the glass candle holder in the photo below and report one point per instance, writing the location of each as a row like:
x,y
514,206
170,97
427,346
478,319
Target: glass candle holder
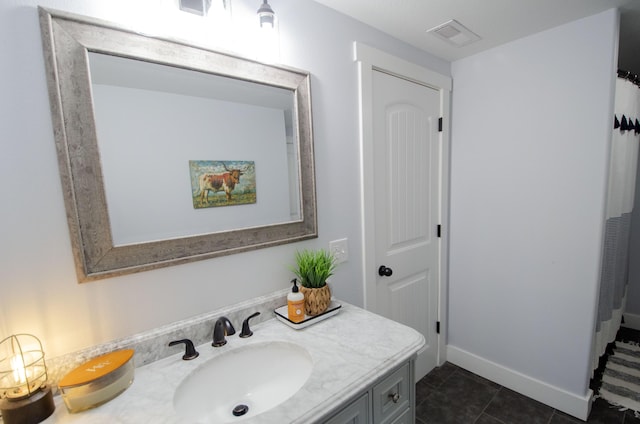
x,y
24,396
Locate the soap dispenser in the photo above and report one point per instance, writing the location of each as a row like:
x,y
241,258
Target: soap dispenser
x,y
295,304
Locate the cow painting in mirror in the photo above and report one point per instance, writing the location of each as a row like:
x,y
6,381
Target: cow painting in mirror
x,y
208,178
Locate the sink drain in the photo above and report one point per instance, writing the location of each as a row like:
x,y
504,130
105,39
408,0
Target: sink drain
x,y
240,410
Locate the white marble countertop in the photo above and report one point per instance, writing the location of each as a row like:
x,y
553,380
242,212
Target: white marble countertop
x,y
350,351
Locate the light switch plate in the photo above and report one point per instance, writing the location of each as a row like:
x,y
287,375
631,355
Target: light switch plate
x,y
340,249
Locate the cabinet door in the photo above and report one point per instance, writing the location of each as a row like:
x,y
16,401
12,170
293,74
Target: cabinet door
x,y
405,418
392,396
356,413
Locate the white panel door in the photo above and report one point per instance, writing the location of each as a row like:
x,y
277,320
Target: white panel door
x,y
406,160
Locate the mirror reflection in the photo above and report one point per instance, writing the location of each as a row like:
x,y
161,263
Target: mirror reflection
x,y
153,121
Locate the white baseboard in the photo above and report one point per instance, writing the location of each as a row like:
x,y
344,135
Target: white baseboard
x,y
631,321
569,403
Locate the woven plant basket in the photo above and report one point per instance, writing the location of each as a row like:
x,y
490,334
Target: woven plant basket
x,y
316,301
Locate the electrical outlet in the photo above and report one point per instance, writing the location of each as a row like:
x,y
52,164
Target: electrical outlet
x,y
340,250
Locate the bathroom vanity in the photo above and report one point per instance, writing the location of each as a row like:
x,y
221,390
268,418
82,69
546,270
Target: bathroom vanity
x,y
361,370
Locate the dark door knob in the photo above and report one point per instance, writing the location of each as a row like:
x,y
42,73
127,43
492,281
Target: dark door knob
x,y
383,271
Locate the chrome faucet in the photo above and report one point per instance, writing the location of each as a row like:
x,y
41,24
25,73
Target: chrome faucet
x,y
222,328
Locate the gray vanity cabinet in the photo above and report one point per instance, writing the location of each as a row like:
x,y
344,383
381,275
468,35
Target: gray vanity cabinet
x,y
390,400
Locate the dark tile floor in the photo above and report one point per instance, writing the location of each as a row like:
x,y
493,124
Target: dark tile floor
x,y
452,395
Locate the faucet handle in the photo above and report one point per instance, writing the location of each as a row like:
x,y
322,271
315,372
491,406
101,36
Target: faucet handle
x,y
190,351
246,331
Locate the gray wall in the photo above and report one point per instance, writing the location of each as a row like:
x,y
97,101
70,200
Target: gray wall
x,y
530,143
40,294
527,191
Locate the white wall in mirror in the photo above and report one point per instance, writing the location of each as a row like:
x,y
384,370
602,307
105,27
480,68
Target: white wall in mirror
x,y
148,135
146,165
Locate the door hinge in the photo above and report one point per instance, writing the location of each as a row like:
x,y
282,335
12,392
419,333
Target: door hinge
x,y
437,327
439,231
440,124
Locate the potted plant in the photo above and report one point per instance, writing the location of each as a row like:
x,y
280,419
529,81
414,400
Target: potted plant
x,y
313,268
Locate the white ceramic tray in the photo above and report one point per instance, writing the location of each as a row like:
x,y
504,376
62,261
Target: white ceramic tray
x,y
281,314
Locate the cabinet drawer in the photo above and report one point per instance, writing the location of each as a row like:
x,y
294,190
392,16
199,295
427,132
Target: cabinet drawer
x,y
356,413
392,396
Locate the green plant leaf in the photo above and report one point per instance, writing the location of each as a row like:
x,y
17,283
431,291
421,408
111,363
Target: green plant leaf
x,y
314,267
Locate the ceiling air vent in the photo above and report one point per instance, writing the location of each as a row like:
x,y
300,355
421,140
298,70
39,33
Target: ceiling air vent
x,y
455,33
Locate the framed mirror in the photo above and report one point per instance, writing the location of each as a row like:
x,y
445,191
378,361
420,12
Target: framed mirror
x,y
170,152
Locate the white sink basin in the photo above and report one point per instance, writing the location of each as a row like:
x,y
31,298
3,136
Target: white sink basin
x,y
259,376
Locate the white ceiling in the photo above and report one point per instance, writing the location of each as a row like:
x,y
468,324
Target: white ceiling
x,y
496,21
